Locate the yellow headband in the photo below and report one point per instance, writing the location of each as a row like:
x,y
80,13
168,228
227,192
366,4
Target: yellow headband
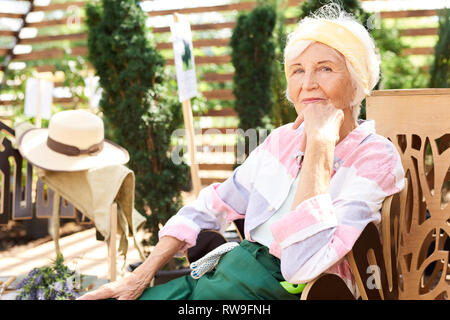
x,y
341,39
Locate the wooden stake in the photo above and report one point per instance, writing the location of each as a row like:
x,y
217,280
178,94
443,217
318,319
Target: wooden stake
x,y
55,220
112,243
189,125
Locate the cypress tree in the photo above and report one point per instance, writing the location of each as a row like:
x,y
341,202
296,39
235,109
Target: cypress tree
x,y
253,54
139,110
440,70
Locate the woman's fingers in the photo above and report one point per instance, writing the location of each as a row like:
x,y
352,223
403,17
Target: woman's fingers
x,y
99,294
298,121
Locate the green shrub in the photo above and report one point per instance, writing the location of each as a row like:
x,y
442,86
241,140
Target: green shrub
x,y
282,110
440,70
253,55
137,105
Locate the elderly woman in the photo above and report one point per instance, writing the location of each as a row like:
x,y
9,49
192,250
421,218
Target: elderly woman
x,y
306,193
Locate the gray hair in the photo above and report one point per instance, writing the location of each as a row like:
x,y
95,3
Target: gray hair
x,y
334,12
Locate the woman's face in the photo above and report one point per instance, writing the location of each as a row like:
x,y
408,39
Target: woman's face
x,y
319,72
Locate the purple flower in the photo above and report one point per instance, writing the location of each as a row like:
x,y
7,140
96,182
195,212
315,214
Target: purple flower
x,y
26,279
33,295
58,286
38,279
40,294
21,283
33,272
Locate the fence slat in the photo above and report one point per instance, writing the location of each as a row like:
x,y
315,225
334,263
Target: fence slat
x,y
222,94
8,33
208,181
217,77
419,32
11,15
206,60
407,14
224,130
227,112
418,51
51,23
61,37
244,6
55,100
216,166
197,43
49,54
59,6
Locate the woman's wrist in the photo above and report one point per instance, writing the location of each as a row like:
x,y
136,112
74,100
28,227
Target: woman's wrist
x,y
321,142
164,250
144,275
316,170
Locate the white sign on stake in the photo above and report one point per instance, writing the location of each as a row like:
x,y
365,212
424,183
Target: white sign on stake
x,y
184,58
187,86
38,98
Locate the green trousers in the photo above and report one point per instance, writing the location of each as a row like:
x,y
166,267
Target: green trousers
x,y
248,272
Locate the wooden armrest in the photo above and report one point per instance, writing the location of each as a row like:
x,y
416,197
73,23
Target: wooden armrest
x,y
369,269
327,287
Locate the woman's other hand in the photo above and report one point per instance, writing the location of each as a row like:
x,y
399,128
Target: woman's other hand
x,y
127,288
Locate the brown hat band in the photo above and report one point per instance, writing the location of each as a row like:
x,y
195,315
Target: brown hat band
x,y
72,150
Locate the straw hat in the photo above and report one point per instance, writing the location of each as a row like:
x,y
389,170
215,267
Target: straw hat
x,y
74,141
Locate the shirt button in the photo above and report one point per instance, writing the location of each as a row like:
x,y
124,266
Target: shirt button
x,y
336,165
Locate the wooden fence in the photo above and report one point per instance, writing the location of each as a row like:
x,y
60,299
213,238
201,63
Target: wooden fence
x,y
219,84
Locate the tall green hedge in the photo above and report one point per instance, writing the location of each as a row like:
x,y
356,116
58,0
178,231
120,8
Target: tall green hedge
x,y
136,105
253,54
282,110
440,70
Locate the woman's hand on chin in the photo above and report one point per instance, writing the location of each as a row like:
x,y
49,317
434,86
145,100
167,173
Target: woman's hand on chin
x,y
322,124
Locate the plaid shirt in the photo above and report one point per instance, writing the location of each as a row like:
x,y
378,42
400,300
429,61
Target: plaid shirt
x,y
315,237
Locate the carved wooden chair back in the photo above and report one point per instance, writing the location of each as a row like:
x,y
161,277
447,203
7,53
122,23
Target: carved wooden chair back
x,y
416,226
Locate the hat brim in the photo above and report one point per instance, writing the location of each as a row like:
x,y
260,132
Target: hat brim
x,y
33,147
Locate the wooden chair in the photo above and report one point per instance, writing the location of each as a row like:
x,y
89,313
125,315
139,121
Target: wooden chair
x,y
372,265
409,257
417,122
413,261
